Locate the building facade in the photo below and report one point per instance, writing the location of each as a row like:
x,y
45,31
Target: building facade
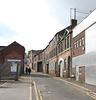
x,y
84,50
56,57
13,53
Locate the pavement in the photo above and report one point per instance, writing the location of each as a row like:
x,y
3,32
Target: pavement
x,y
88,87
15,90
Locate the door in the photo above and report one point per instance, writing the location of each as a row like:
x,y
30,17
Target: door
x,y
47,68
61,68
69,67
56,68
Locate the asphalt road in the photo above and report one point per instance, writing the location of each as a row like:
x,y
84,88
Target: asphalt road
x,y
52,89
38,86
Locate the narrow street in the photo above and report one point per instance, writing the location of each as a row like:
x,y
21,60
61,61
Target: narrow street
x,y
39,86
52,89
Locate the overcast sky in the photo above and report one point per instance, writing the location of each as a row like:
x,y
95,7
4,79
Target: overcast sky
x,y
33,23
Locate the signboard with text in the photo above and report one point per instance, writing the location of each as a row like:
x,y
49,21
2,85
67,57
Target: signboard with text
x,y
14,67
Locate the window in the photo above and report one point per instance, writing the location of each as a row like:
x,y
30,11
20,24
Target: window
x,y
39,57
53,65
52,53
49,55
35,65
44,60
65,64
74,45
65,44
56,51
82,40
80,43
61,47
77,44
68,42
79,70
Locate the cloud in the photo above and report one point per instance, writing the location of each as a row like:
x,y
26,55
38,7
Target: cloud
x,y
31,20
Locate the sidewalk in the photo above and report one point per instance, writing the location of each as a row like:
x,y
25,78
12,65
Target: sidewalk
x,y
15,90
84,87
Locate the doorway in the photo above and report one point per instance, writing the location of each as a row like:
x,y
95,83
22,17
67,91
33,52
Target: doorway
x,y
69,66
61,67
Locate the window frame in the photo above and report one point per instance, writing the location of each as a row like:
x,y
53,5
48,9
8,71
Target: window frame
x,y
65,44
82,40
80,44
68,42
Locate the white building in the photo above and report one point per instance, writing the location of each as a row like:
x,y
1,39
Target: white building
x,y
84,57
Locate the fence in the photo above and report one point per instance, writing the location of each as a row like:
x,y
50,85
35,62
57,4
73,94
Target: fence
x,y
9,71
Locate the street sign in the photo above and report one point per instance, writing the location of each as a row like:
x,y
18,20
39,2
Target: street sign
x,y
13,60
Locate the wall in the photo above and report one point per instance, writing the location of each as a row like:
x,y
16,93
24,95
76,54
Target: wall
x,y
81,49
88,21
90,74
14,55
82,75
89,61
90,35
85,59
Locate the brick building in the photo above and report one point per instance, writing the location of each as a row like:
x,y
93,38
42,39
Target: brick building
x,y
84,50
13,53
31,55
56,57
38,63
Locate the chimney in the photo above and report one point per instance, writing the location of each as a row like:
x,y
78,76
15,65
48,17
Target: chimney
x,y
73,23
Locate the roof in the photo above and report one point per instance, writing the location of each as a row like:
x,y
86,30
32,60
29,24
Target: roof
x,y
13,46
36,51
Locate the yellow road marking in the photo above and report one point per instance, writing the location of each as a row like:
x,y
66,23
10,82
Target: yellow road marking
x,y
87,93
39,94
35,90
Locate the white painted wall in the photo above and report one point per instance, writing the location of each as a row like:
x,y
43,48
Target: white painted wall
x,y
89,20
90,74
90,39
89,61
84,60
89,58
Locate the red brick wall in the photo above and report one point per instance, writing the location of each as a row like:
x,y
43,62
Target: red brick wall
x,y
82,75
9,49
14,55
81,49
74,71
